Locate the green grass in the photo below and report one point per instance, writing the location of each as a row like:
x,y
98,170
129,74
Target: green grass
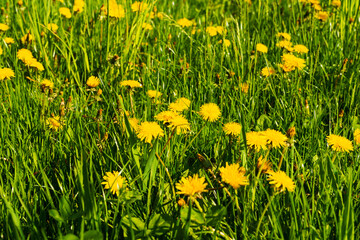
x,y
50,184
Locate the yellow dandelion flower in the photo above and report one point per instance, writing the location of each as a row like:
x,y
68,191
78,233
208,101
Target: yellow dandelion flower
x,y
93,82
301,49
256,140
147,26
180,123
1,50
64,11
226,43
232,128
336,3
114,182
261,48
357,136
78,6
131,84
267,71
115,10
212,31
55,123
4,27
234,175
290,63
180,105
210,112
166,116
339,143
154,94
275,138
283,35
321,15
34,63
6,73
317,7
46,83
139,6
24,54
220,30
27,38
284,44
191,186
281,181
52,27
244,87
149,130
264,165
9,40
184,22
134,123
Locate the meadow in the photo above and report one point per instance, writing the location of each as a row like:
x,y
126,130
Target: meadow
x,y
175,119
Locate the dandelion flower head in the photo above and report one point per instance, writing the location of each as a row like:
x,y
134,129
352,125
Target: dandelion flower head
x,y
114,182
6,73
180,105
339,143
357,136
210,112
184,22
261,48
154,94
55,123
9,40
284,35
256,140
267,71
147,131
47,83
232,128
263,165
166,116
93,82
64,11
131,84
139,6
191,186
180,123
275,138
281,181
234,175
4,27
301,49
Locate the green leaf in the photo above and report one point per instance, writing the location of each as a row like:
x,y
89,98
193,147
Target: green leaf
x,y
93,235
55,214
196,217
214,215
160,224
70,236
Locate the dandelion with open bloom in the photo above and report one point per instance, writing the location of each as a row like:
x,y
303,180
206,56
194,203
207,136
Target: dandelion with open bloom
x,y
114,182
4,27
46,83
284,35
256,140
64,11
267,71
180,123
148,131
134,123
53,27
290,63
336,3
184,22
139,6
6,73
55,123
180,105
27,38
285,44
24,54
226,43
93,82
153,94
191,186
131,84
115,10
234,175
213,31
261,48
147,26
339,143
321,15
301,49
275,138
244,87
166,116
78,6
357,136
281,181
210,112
9,40
232,128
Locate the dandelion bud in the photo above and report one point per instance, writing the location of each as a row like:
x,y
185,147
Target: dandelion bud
x,y
291,132
181,202
99,115
169,36
341,113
